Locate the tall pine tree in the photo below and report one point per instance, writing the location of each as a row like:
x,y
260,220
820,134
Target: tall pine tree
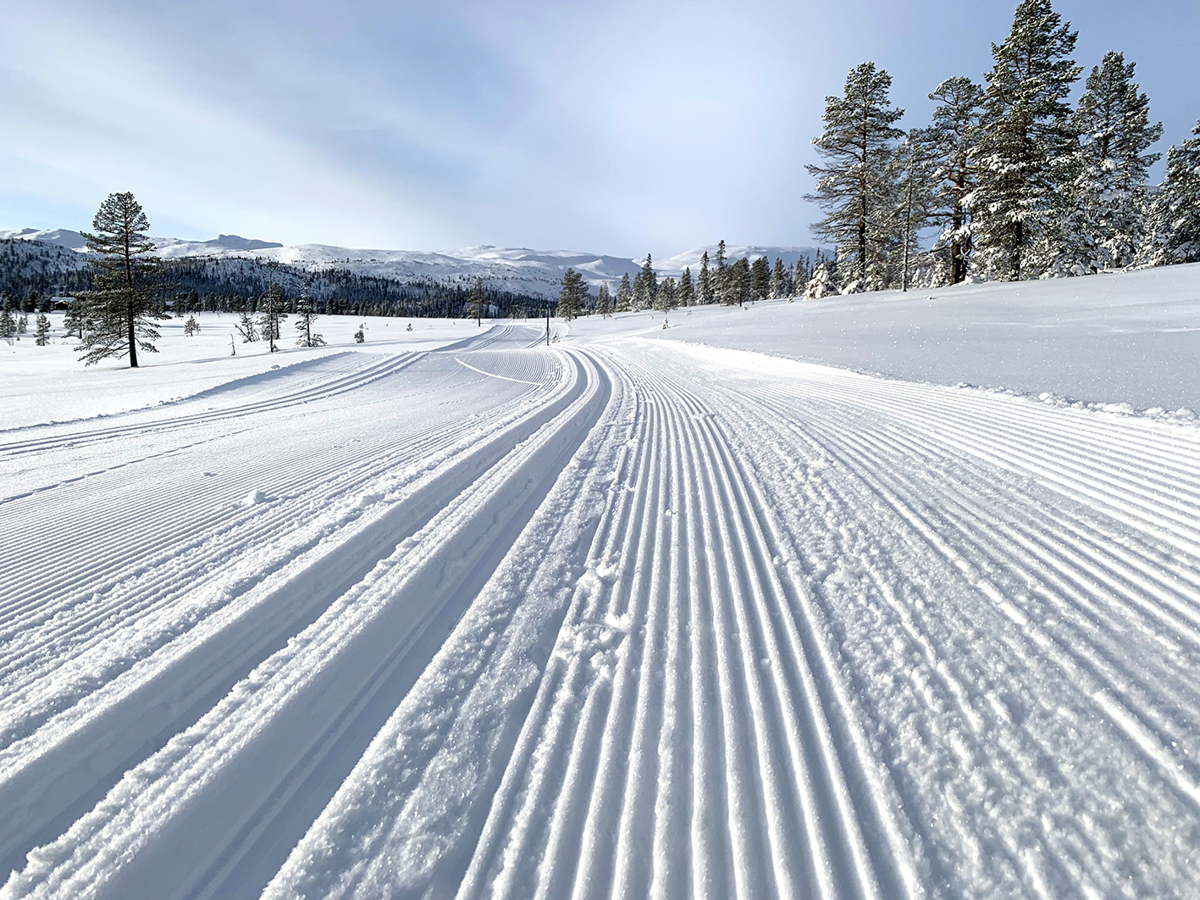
x,y
1107,218
855,185
1027,144
1175,211
120,312
951,140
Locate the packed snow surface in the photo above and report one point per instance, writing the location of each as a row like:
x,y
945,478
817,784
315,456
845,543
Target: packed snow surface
x,y
669,612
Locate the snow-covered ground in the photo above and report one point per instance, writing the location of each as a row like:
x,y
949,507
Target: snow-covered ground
x,y
666,612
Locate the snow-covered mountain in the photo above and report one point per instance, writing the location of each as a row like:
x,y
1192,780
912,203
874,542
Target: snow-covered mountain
x,y
516,269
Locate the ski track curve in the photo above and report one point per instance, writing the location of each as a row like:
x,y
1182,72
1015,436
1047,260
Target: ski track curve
x,y
628,619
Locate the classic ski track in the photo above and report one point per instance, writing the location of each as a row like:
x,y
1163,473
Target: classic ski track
x,y
515,412
170,580
772,725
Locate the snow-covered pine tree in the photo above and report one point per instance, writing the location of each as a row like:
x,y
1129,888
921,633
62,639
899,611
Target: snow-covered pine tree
x,y
306,316
120,311
779,281
722,292
739,282
646,286
475,307
1174,220
604,305
951,140
191,326
571,295
822,283
23,323
8,324
854,186
1107,218
75,319
245,327
624,294
687,292
41,333
667,296
271,314
704,283
916,180
360,336
760,278
1027,146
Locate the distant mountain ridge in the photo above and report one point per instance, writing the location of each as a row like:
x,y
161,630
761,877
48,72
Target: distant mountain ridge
x,y
518,269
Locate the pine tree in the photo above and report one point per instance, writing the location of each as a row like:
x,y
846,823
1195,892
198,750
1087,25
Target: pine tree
x,y
572,295
687,293
855,187
778,287
245,327
917,181
1175,210
646,286
951,141
704,284
8,325
23,324
75,320
821,284
360,336
760,278
1107,221
625,294
720,277
41,334
271,314
304,323
191,326
604,305
120,311
665,298
1027,147
739,281
475,310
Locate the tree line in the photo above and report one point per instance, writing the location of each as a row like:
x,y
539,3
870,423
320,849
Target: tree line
x,y
1017,183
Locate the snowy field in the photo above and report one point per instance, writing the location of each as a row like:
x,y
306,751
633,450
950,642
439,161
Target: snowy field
x,y
703,610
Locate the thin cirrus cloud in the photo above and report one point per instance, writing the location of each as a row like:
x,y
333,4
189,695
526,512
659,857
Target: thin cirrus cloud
x,y
619,128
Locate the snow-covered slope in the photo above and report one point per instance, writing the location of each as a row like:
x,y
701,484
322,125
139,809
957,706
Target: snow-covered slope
x,y
644,612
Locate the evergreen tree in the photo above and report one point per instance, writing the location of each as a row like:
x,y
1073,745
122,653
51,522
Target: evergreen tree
x,y
8,325
665,298
646,286
720,277
760,278
75,320
951,141
778,288
360,336
738,278
625,294
245,327
23,324
572,295
704,284
1175,211
41,334
475,310
822,283
191,326
271,314
121,309
604,305
687,293
1107,221
1027,146
855,186
304,323
917,182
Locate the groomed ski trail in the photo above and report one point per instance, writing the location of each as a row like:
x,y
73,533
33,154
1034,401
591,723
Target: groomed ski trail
x,y
676,622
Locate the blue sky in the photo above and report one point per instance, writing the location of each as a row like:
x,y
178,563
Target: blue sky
x,y
619,127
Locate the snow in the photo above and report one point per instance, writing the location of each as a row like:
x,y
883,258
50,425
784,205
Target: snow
x,y
708,610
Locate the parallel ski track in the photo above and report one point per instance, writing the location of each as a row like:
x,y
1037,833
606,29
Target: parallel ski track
x,y
709,712
362,664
